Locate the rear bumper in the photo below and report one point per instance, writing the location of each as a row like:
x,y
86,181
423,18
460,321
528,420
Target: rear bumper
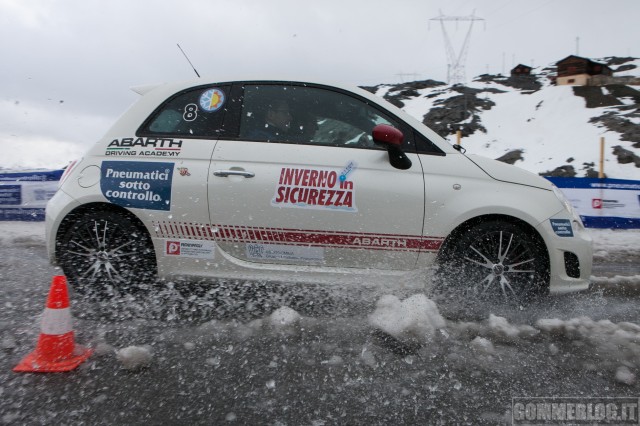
x,y
57,208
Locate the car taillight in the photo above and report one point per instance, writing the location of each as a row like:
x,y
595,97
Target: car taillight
x,y
67,172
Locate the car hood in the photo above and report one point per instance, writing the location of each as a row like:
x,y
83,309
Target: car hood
x,y
508,173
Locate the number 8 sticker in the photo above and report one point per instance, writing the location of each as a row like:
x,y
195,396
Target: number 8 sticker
x,y
190,112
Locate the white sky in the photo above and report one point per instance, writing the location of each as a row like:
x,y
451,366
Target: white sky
x,y
87,53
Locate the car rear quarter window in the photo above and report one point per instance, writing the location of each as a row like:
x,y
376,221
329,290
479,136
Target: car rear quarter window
x,y
198,113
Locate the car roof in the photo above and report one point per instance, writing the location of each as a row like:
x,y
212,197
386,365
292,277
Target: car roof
x,y
235,78
160,91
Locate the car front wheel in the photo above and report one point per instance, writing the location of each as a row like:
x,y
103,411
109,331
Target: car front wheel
x,y
106,253
496,260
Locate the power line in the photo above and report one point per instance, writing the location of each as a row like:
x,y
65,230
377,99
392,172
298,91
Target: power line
x,y
456,60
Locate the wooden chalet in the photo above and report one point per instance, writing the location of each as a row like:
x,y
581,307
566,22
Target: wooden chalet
x,y
521,70
578,71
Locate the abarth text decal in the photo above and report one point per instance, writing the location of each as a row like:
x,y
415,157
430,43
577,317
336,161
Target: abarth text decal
x,y
152,147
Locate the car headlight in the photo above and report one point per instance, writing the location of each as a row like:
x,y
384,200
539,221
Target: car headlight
x,y
567,205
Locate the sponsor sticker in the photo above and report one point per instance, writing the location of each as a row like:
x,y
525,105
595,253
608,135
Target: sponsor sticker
x,y
317,189
596,203
212,100
141,185
196,249
562,227
599,203
285,252
10,195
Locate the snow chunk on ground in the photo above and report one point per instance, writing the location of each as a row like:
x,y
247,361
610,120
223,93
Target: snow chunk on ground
x,y
416,317
103,348
481,344
500,328
284,318
624,375
334,360
612,342
135,357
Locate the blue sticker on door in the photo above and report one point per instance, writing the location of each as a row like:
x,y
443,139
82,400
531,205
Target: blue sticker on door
x,y
136,184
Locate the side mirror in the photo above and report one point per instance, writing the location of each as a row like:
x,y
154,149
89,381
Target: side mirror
x,y
392,138
387,135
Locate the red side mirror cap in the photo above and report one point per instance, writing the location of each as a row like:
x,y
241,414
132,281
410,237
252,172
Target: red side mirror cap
x,y
383,133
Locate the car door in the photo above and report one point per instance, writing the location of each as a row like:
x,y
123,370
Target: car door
x,y
304,184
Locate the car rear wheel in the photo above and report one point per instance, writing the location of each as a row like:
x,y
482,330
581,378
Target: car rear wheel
x,y
495,260
105,253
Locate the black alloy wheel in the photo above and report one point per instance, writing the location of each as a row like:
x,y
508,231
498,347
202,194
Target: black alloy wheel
x,y
496,260
105,253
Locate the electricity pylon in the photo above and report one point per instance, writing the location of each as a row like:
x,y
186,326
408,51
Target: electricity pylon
x,y
455,65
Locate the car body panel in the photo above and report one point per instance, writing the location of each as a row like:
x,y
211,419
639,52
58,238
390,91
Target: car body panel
x,y
301,201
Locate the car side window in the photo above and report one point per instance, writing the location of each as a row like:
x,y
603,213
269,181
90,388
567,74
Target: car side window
x,y
197,112
308,115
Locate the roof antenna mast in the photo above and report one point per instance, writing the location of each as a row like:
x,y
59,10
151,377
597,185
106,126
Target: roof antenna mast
x,y
187,58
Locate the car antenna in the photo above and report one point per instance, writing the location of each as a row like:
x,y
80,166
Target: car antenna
x,y
185,55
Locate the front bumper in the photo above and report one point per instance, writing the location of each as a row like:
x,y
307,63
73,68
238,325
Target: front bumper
x,y
570,256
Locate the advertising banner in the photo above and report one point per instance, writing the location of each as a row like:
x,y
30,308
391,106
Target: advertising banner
x,y
24,195
603,203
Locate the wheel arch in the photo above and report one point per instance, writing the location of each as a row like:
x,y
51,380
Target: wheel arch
x,y
448,244
69,219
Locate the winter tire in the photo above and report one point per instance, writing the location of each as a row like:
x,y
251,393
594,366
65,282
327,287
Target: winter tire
x,y
495,260
105,253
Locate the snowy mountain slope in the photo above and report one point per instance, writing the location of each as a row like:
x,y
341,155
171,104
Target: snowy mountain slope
x,y
544,128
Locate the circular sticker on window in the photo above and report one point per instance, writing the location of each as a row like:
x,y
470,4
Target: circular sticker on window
x,y
212,100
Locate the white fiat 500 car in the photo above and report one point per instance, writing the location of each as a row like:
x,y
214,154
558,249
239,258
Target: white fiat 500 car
x,y
301,181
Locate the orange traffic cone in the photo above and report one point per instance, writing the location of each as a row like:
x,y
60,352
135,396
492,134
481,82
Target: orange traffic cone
x,y
56,350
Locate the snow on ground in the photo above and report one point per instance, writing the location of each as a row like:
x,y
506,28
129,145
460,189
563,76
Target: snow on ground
x,y
403,345
11,232
615,240
551,126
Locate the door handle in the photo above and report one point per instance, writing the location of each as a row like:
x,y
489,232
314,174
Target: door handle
x,y
225,173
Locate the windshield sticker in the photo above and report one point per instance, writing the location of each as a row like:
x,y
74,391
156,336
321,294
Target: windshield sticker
x,y
190,112
285,252
154,147
562,227
212,100
138,185
195,249
315,189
